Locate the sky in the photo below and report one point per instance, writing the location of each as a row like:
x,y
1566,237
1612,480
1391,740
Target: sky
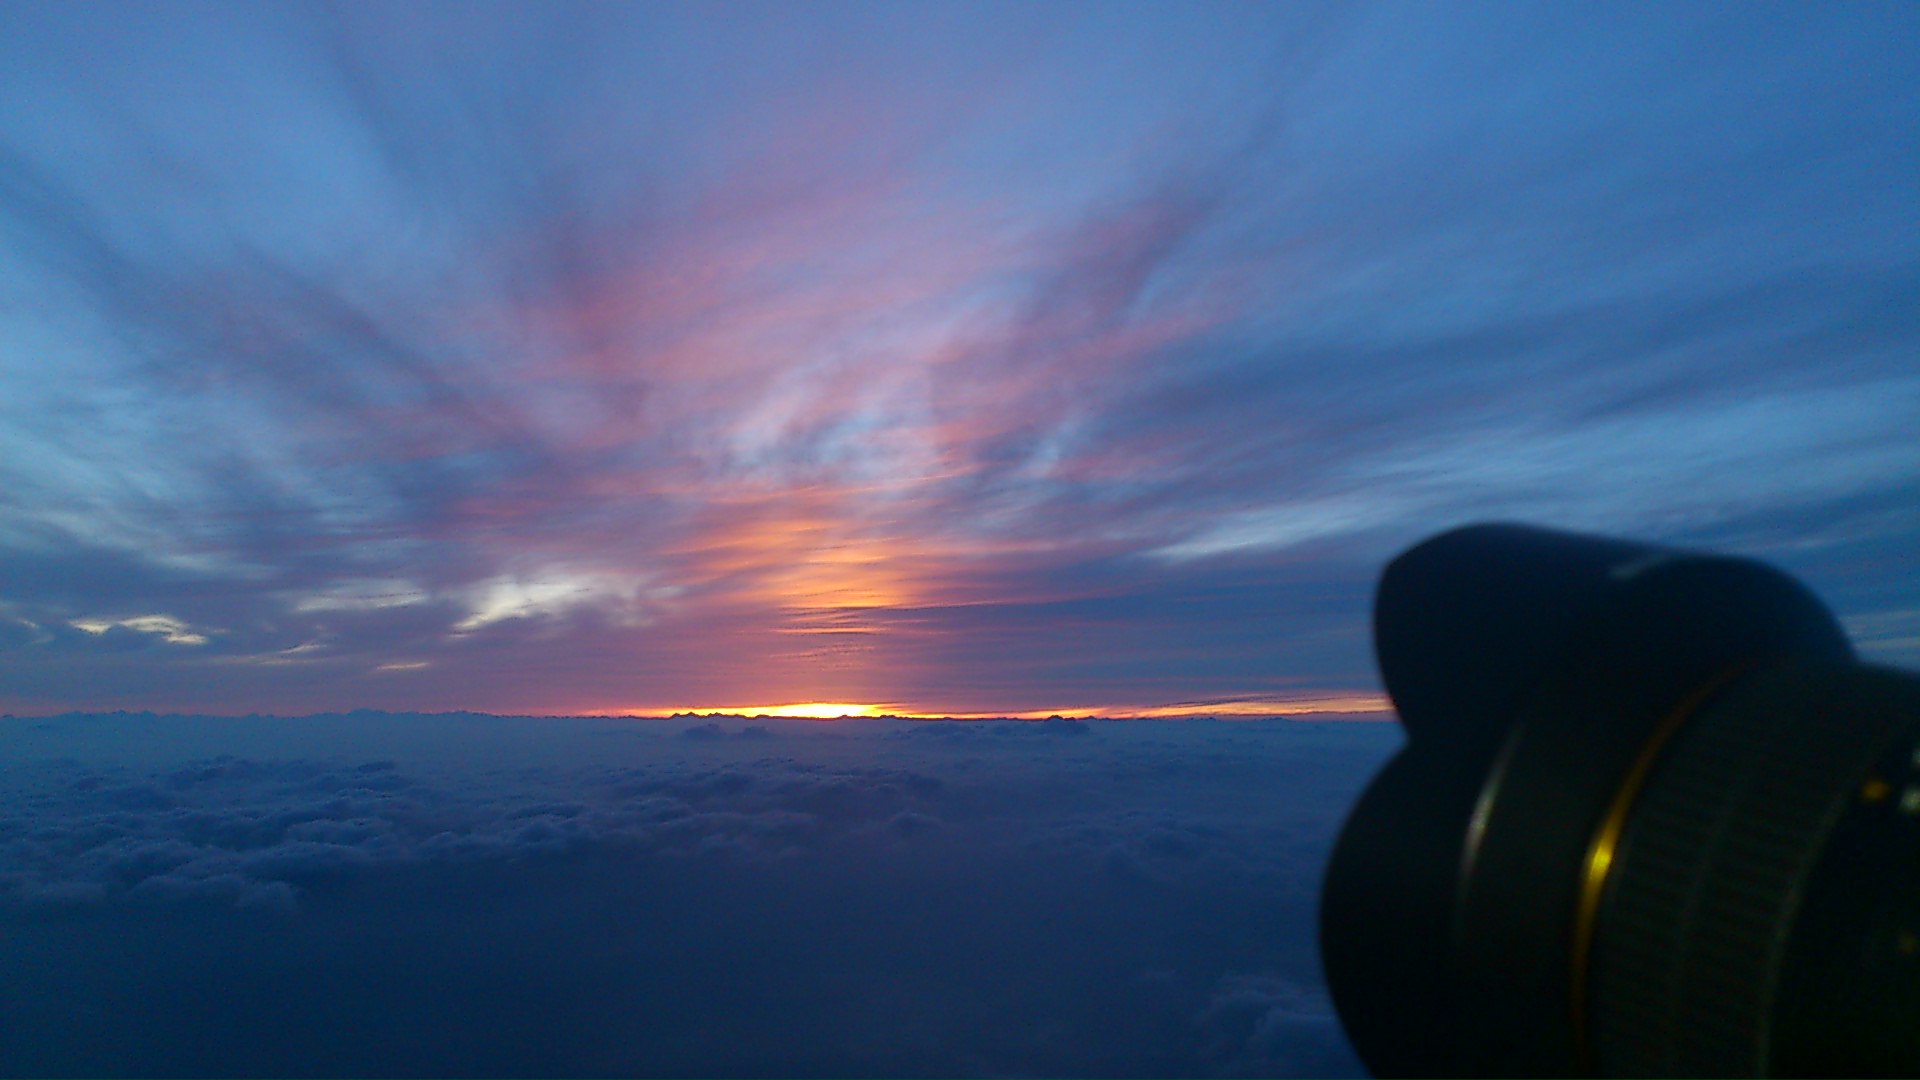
x,y
929,359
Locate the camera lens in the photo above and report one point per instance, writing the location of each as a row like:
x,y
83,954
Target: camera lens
x,y
1650,818
1755,914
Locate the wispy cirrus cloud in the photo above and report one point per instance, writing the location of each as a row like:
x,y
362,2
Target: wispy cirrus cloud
x,y
836,357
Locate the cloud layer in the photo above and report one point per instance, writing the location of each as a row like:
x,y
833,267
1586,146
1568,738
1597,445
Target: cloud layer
x,y
494,896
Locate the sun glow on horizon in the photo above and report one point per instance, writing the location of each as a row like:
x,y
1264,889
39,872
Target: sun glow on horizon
x,y
1350,704
1355,704
806,710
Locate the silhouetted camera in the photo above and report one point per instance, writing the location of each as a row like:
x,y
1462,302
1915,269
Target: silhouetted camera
x,y
1651,818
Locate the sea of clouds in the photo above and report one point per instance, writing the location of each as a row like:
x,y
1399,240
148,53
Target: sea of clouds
x,y
385,894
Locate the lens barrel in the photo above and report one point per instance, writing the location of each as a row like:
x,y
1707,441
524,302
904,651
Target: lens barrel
x,y
1650,818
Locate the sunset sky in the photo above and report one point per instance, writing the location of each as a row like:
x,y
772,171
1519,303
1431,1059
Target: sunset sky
x,y
930,359
452,382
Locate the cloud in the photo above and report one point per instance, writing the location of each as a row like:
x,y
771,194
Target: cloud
x,y
435,344
554,594
574,896
371,595
165,627
1272,1026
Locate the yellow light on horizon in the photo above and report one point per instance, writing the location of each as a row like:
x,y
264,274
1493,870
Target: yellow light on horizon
x,y
808,710
1355,705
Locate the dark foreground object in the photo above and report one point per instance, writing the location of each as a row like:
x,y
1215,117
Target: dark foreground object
x,y
1652,818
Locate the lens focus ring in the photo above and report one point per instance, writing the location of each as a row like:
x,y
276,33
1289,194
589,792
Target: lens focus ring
x,y
1711,860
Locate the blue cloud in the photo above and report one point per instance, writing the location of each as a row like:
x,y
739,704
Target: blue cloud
x,y
487,895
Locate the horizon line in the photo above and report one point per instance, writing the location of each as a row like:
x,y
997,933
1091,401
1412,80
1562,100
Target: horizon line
x,y
1344,709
